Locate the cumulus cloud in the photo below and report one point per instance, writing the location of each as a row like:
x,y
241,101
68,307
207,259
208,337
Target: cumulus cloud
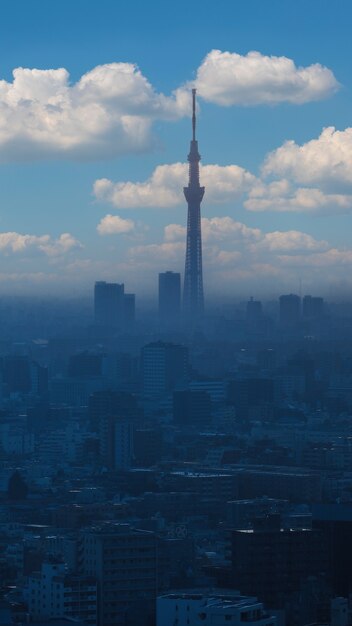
x,y
153,255
283,196
164,188
236,254
326,161
109,111
115,225
292,241
12,242
225,228
228,78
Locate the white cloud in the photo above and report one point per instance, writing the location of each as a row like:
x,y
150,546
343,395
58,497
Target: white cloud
x,y
227,79
164,187
238,259
109,111
226,228
12,242
282,196
326,161
292,241
174,232
153,255
115,225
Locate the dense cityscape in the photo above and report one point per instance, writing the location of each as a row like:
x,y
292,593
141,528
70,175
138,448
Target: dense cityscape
x,y
177,465
175,313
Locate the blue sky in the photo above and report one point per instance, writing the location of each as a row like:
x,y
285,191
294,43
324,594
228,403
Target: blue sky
x,y
47,185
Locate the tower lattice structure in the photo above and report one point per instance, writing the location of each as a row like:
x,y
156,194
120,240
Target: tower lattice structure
x,y
193,296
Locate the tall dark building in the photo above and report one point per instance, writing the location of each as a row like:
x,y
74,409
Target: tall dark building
x,y
193,297
191,407
313,307
113,308
164,367
254,311
274,562
290,309
108,304
169,297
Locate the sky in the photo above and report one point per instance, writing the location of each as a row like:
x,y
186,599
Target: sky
x,y
94,136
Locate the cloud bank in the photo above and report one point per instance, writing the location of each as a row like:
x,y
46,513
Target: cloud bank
x,y
228,79
111,109
17,243
164,187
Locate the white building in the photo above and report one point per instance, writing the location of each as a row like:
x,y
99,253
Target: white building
x,y
215,608
52,593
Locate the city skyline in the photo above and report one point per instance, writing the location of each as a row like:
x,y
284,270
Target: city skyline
x,y
92,146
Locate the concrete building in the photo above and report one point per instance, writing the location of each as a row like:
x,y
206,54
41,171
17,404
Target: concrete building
x,y
164,368
214,607
274,562
123,561
290,310
113,308
53,593
169,298
312,307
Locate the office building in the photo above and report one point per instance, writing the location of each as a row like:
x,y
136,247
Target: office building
x,y
164,368
290,310
191,407
108,304
53,593
254,311
273,562
169,298
215,606
123,561
113,308
312,307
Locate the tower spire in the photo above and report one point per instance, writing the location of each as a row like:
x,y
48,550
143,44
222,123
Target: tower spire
x,y
193,299
194,91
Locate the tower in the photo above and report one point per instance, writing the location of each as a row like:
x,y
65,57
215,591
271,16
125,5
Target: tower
x,y
193,298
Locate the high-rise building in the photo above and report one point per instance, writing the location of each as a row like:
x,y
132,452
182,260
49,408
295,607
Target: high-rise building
x,y
193,297
112,416
191,407
52,593
109,304
313,307
274,562
169,298
164,367
290,309
113,308
129,311
124,563
254,311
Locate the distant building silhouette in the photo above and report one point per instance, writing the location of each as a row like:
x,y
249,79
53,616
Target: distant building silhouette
x,y
254,311
164,367
290,309
193,297
169,298
313,307
191,407
129,310
112,307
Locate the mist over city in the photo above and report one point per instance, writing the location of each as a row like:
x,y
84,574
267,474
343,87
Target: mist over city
x,y
175,313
